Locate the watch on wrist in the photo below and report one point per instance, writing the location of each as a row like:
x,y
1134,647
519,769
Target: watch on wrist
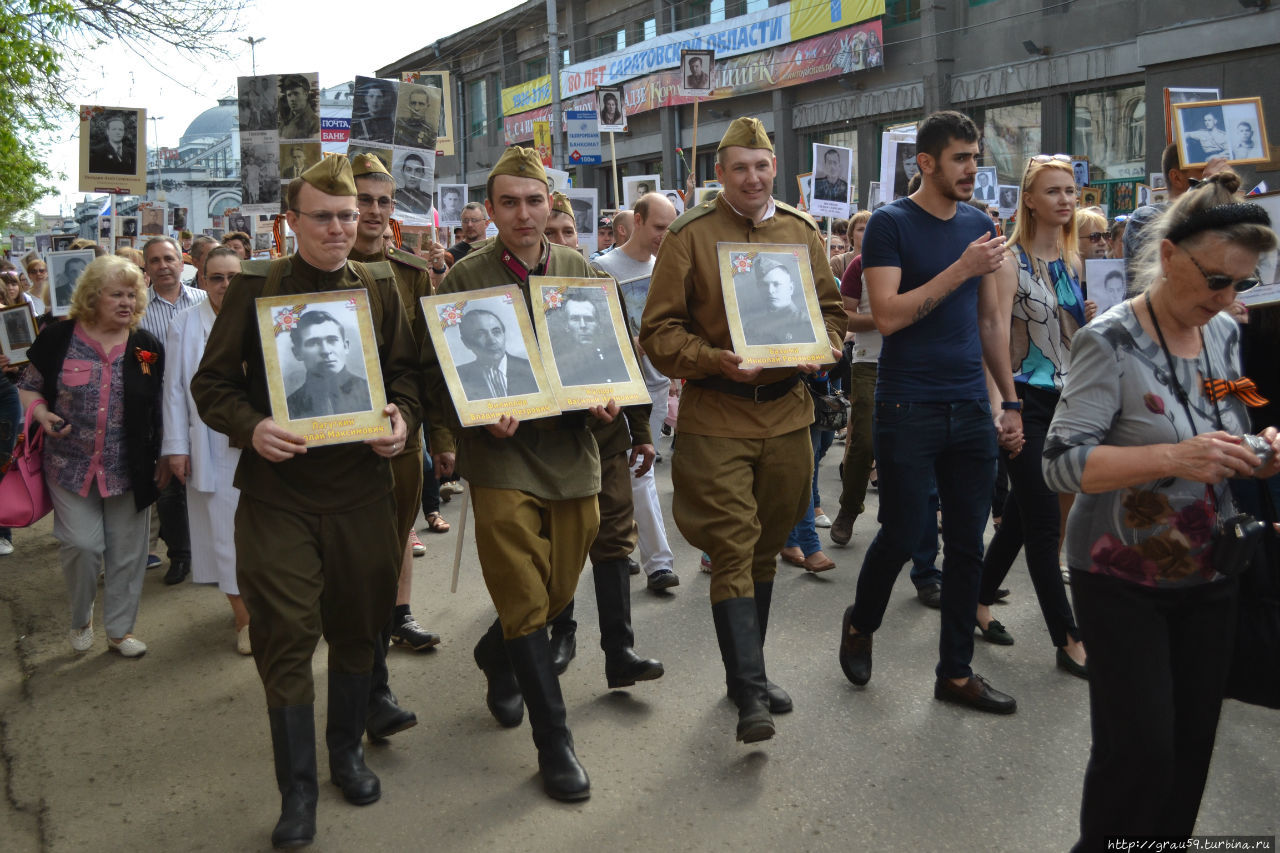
x,y
1011,405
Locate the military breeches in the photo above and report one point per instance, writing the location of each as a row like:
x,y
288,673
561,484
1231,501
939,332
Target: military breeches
x,y
617,537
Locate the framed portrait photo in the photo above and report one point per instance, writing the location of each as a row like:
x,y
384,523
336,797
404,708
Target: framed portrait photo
x,y
586,218
1231,128
804,181
984,185
153,221
65,269
586,348
832,177
637,185
62,242
1183,95
611,106
323,373
452,198
695,73
487,350
17,332
113,150
772,304
1268,292
702,195
1008,200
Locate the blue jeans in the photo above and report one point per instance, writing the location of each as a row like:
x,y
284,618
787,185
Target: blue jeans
x,y
923,570
804,535
954,445
10,425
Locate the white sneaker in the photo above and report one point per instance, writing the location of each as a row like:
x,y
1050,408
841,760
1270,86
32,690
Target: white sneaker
x,y
821,520
81,638
6,547
129,647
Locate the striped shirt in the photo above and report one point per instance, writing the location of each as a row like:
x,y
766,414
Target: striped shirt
x,y
160,313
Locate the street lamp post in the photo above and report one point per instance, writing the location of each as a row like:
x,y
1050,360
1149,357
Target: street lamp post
x,y
155,140
253,55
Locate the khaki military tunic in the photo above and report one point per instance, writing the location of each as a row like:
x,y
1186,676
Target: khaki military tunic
x,y
534,493
316,544
742,469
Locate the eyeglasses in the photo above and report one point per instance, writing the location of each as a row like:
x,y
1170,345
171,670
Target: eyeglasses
x,y
1096,236
477,221
326,217
1218,281
383,202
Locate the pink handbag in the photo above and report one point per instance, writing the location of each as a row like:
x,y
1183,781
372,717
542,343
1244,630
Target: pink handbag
x,y
24,498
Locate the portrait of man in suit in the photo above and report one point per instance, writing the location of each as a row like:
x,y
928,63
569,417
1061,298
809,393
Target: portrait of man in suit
x,y
297,162
319,343
113,152
586,350
494,372
65,276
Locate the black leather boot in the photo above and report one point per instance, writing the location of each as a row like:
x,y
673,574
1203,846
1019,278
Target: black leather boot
x,y
293,745
738,632
562,776
385,716
564,638
503,694
622,666
344,733
779,701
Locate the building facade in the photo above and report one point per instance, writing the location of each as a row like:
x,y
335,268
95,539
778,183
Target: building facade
x,y
1084,77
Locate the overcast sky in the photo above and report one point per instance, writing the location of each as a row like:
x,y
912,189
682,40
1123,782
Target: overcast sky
x,y
318,36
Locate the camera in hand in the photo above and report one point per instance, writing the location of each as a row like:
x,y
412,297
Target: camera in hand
x,y
1260,447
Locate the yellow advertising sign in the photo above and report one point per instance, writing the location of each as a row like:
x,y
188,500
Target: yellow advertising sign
x,y
528,96
814,17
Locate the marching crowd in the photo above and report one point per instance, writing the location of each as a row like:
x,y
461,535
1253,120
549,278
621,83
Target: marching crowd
x,y
981,384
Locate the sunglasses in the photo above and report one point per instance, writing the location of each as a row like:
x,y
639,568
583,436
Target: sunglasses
x,y
1050,158
1096,236
1218,281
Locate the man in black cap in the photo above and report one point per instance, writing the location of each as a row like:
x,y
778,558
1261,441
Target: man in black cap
x,y
300,120
372,120
316,541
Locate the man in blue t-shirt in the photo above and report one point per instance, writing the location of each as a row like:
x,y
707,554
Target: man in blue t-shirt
x,y
928,263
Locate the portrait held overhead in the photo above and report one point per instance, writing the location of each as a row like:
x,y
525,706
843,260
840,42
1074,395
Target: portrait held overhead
x,y
695,72
1233,129
298,106
417,116
609,104
373,110
113,150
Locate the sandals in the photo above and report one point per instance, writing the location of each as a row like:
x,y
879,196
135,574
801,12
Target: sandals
x,y
436,523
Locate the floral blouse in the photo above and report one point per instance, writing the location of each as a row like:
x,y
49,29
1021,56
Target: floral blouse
x,y
1119,393
91,399
1048,308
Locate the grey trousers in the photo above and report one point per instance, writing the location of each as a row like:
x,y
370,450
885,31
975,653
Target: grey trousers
x,y
99,533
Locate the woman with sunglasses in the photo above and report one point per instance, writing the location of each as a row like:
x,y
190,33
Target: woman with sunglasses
x,y
1091,234
1041,288
1148,433
38,275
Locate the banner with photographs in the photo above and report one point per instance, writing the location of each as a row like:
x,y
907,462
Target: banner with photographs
x,y
113,150
279,136
489,356
586,347
392,121
832,177
438,89
771,303
323,373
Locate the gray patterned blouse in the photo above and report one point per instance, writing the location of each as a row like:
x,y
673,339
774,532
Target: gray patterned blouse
x,y
1118,392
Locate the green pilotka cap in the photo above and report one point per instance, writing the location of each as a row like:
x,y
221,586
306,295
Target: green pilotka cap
x,y
746,133
367,164
332,176
560,204
520,163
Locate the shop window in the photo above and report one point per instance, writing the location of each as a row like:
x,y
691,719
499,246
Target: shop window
x,y
1010,137
1109,127
901,11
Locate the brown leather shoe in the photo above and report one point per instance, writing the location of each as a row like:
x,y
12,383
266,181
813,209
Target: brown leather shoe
x,y
818,562
976,693
855,651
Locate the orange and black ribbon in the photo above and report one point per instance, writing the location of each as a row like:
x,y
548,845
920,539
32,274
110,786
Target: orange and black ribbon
x,y
397,239
1243,388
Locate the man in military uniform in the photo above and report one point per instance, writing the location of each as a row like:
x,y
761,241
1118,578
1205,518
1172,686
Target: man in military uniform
x,y
320,344
375,189
416,129
372,120
774,311
623,445
831,186
410,194
301,121
744,463
534,483
316,543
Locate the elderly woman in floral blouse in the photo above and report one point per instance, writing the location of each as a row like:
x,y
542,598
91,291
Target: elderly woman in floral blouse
x,y
1149,432
94,385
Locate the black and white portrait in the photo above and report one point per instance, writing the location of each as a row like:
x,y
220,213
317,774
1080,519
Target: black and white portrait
x,y
1246,131
257,103
906,168
635,186
676,201
1080,169
585,215
322,362
488,350
297,157
695,72
179,219
984,184
611,107
44,243
583,342
62,242
771,300
299,115
417,116
414,172
452,198
128,226
242,223
373,110
19,331
259,172
1008,195
65,269
831,167
104,228
153,221
1203,134
1105,281
113,143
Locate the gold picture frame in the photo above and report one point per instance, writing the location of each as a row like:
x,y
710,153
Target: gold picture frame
x,y
1207,129
113,150
522,390
588,358
308,396
768,327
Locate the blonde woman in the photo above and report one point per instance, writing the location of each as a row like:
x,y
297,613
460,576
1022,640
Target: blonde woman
x,y
93,385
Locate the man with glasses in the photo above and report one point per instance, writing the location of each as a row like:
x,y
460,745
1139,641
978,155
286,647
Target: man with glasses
x,y
316,539
474,221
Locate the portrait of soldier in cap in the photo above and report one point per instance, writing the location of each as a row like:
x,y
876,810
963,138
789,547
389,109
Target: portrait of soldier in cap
x,y
372,110
771,302
298,118
416,120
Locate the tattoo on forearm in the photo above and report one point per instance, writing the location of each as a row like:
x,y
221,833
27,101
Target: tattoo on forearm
x,y
929,304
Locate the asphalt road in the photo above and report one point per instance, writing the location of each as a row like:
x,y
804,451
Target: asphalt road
x,y
172,752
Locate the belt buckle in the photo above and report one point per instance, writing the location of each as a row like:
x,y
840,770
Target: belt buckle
x,y
755,393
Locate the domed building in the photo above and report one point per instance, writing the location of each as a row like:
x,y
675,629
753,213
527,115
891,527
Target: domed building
x,y
203,173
